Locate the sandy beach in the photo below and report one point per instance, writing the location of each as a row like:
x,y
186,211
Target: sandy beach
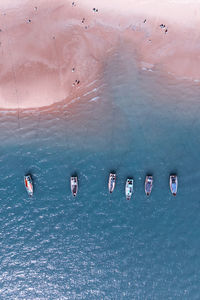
x,y
51,50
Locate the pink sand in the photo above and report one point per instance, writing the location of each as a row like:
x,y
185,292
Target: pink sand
x,y
47,45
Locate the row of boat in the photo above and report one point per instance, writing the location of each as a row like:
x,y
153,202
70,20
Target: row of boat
x,y
148,185
129,186
28,182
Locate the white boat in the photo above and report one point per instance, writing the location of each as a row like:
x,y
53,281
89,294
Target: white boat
x,y
173,182
148,184
28,185
129,188
74,185
111,182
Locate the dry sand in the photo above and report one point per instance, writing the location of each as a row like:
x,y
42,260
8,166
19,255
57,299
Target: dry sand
x,y
51,50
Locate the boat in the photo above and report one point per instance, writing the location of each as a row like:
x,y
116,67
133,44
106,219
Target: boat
x,y
28,184
129,188
74,185
111,182
173,182
148,184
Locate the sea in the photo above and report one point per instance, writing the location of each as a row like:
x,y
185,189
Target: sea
x,y
99,246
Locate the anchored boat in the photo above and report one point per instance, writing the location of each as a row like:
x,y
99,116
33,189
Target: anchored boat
x,y
28,185
129,188
111,182
173,182
74,185
148,184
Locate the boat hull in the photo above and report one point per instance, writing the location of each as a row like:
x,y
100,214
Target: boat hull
x,y
129,189
28,185
111,182
74,185
148,185
173,182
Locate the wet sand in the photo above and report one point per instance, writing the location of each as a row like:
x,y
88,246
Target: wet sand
x,y
51,52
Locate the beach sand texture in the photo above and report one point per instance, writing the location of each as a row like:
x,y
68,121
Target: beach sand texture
x,y
50,51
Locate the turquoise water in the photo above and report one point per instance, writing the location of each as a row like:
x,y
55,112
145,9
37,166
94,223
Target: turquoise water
x,y
98,246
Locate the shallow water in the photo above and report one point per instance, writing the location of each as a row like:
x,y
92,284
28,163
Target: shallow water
x,y
98,246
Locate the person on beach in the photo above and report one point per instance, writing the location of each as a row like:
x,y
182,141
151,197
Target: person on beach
x,y
162,26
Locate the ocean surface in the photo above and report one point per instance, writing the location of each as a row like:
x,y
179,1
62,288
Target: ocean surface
x,y
97,246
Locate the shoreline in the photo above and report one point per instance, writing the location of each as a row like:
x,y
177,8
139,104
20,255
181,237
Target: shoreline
x,y
51,57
